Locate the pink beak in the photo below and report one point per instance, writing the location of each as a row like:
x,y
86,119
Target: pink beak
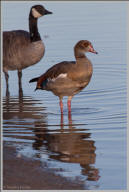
x,y
92,50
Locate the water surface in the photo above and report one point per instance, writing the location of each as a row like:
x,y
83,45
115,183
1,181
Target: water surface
x,y
90,146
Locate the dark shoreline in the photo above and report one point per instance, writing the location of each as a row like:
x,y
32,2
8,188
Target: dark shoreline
x,y
20,173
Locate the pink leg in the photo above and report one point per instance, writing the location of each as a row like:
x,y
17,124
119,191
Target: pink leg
x,y
69,108
69,105
61,106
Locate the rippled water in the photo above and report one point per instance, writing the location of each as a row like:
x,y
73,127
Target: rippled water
x,y
90,146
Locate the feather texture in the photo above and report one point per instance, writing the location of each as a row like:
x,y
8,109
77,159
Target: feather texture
x,y
20,52
68,77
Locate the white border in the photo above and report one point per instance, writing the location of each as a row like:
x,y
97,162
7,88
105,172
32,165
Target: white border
x,y
127,97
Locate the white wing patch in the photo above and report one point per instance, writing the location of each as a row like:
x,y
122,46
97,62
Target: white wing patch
x,y
61,76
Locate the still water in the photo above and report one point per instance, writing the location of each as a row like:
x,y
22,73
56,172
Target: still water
x,y
91,146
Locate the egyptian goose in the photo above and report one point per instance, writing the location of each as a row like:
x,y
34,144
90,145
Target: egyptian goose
x,y
68,77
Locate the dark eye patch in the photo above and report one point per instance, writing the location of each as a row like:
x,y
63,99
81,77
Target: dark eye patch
x,y
86,44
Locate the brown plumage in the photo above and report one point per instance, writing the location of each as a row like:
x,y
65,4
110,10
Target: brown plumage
x,y
22,53
69,77
22,49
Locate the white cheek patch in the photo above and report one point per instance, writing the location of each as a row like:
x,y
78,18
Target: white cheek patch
x,y
35,13
61,76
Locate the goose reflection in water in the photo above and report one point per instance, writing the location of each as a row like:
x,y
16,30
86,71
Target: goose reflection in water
x,y
70,145
19,115
26,120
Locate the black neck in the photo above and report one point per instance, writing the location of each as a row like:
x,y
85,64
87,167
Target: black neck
x,y
34,34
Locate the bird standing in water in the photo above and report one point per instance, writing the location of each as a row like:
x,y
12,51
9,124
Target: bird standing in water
x,y
22,49
68,77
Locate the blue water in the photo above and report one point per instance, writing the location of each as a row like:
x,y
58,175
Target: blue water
x,y
90,147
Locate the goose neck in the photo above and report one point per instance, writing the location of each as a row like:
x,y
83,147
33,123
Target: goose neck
x,y
34,34
79,54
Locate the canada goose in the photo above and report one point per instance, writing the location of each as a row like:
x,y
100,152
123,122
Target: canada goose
x,y
69,77
22,49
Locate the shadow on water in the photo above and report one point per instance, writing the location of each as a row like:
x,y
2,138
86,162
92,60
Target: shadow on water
x,y
26,122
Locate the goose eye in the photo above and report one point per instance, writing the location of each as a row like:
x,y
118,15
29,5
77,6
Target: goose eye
x,y
85,44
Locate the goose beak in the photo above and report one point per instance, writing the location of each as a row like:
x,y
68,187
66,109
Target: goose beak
x,y
47,12
93,51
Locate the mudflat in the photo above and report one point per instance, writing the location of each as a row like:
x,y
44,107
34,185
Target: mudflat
x,y
21,173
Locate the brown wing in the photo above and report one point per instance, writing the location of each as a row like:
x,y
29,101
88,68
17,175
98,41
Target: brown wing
x,y
55,71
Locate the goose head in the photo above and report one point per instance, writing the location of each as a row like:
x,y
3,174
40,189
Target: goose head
x,y
39,11
84,46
